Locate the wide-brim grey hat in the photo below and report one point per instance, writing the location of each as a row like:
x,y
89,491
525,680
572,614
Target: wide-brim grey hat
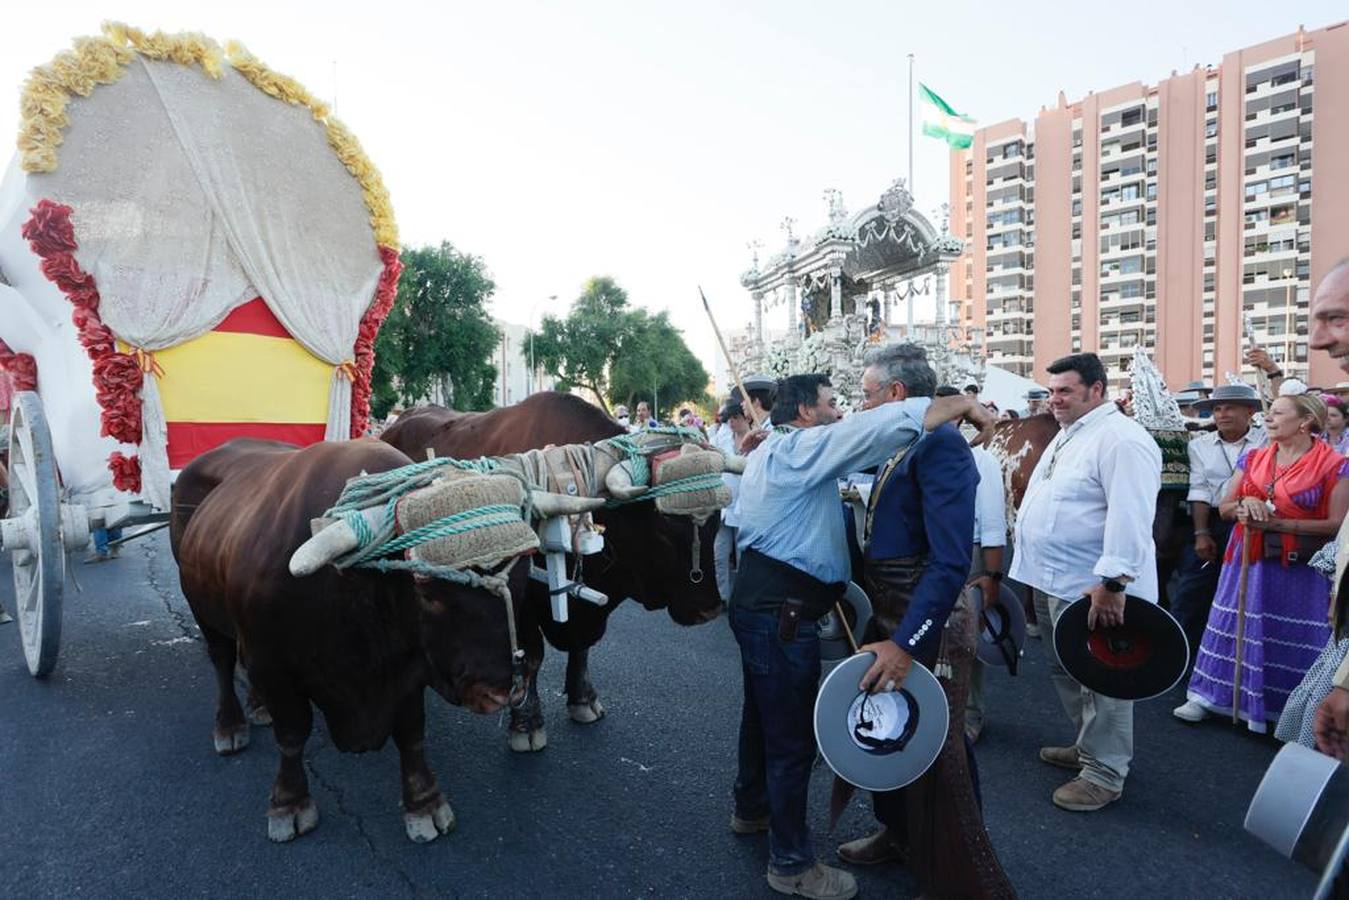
x,y
1199,385
1242,394
882,741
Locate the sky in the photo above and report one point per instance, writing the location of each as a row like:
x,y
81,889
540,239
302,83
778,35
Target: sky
x,y
652,142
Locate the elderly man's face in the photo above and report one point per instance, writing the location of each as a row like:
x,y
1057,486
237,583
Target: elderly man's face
x,y
1330,317
876,389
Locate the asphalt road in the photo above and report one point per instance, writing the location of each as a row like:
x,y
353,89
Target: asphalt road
x,y
109,786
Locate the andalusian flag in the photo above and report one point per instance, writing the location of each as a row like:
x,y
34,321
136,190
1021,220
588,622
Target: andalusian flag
x,y
941,121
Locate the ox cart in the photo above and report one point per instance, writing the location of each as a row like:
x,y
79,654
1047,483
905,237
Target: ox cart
x,y
192,249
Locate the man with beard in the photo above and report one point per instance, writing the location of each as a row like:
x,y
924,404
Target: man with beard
x,y
793,568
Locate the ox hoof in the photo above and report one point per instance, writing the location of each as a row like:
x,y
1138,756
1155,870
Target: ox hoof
x,y
230,740
259,715
528,741
586,713
289,822
424,827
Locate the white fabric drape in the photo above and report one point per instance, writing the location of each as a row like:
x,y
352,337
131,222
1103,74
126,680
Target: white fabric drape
x,y
193,195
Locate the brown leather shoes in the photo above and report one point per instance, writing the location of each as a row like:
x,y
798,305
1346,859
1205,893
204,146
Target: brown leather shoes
x,y
1080,795
820,882
749,826
871,850
1063,757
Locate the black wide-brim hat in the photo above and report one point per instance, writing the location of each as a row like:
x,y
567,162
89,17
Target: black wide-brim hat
x,y
833,639
882,741
1002,628
1140,659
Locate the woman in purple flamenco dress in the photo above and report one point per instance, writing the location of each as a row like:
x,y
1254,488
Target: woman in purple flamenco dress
x,y
1291,497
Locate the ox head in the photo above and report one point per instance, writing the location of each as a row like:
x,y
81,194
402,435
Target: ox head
x,y
661,560
464,631
466,638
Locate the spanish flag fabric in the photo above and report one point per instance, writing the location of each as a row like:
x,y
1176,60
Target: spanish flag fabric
x,y
245,378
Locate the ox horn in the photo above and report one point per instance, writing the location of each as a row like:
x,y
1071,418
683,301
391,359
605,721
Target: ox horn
x,y
330,543
733,464
547,504
618,481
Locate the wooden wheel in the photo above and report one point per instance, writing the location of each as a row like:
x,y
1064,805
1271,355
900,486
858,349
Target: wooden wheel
x,y
33,533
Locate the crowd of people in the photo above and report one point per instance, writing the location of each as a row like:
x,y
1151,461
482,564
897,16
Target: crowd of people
x,y
1253,591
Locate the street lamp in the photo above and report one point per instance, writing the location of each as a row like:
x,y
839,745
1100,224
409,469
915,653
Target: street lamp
x,y
534,372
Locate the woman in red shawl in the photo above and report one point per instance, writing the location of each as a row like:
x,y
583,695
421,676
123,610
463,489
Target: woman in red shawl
x,y
1291,498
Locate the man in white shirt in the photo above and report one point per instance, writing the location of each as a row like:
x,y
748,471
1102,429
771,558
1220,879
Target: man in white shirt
x,y
1213,463
1085,529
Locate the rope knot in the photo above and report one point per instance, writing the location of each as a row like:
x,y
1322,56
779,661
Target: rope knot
x,y
145,359
346,369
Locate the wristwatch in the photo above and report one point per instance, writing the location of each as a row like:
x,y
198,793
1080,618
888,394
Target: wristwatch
x,y
1113,585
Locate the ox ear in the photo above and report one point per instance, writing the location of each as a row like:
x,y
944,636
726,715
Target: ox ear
x,y
547,504
331,542
733,464
618,482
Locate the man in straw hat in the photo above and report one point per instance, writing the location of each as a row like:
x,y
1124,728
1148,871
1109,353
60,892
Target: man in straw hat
x,y
1213,462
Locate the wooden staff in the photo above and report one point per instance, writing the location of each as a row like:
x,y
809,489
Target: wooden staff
x,y
730,363
1241,618
744,398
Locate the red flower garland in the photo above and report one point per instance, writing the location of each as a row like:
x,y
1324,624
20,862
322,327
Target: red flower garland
x,y
385,293
22,368
117,376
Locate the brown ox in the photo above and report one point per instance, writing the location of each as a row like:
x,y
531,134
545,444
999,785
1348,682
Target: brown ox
x,y
359,645
647,555
1018,445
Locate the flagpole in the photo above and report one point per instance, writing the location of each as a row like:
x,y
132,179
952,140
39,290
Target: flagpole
x,y
911,185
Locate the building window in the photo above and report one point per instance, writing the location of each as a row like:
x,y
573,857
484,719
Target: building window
x,y
1211,101
1131,117
1211,128
1152,191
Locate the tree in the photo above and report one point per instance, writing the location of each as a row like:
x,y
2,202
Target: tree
x,y
577,350
438,334
654,364
618,353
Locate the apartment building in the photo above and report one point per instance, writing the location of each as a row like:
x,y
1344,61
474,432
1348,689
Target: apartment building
x,y
1188,217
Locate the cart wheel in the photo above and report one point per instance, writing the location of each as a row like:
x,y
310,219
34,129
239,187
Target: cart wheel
x,y
39,567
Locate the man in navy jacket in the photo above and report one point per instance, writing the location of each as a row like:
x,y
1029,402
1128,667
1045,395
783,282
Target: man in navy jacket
x,y
920,529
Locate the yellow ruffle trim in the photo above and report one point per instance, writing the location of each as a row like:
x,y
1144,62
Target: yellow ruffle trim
x,y
101,60
340,138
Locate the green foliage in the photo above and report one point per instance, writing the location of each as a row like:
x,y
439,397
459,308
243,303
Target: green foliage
x,y
619,353
438,333
654,364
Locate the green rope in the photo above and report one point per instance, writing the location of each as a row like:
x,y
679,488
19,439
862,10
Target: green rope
x,y
372,490
448,526
686,485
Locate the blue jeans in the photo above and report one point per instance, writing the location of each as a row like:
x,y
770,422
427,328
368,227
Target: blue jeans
x,y
777,733
102,536
1198,584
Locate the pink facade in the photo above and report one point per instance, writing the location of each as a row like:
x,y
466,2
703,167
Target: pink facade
x,y
1053,233
1167,217
1180,224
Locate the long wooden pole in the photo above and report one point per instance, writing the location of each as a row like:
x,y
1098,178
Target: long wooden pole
x,y
744,397
1241,619
730,363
